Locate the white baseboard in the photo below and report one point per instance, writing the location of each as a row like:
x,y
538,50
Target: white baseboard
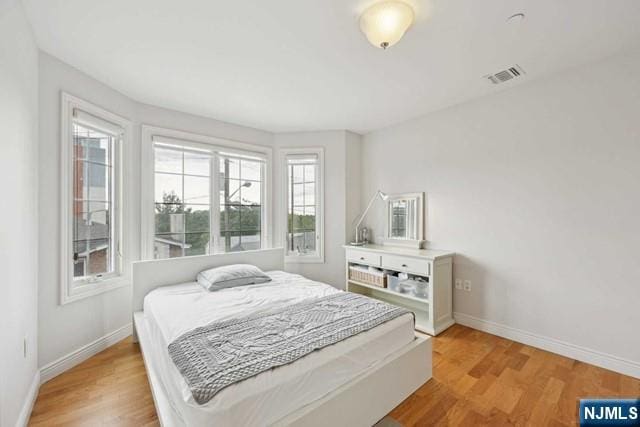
x,y
604,360
67,362
32,395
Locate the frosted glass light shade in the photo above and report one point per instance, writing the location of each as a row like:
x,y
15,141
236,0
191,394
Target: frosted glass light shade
x,y
385,23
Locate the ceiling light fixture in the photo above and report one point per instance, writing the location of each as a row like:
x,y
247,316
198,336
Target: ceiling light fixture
x,y
385,23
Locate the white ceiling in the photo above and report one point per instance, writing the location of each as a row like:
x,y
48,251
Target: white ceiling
x,y
284,65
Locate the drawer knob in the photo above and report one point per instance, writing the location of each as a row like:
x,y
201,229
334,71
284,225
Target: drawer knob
x,y
361,258
404,265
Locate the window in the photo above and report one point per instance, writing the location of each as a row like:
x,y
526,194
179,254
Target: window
x,y
91,247
303,185
93,202
207,197
240,204
182,201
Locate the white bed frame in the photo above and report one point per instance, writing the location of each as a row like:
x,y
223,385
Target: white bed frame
x,y
360,402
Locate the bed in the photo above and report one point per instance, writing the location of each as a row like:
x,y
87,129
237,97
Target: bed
x,y
354,382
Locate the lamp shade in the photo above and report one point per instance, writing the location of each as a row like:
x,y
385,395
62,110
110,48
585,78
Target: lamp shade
x,y
385,23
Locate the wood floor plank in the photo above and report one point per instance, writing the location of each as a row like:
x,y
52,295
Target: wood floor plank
x,y
478,379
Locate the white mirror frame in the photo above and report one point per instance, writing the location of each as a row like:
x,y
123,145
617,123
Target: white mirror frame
x,y
412,243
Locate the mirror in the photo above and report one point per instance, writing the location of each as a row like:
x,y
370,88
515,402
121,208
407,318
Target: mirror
x,y
405,213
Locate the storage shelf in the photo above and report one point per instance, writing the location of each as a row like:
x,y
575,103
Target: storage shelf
x,y
390,292
433,311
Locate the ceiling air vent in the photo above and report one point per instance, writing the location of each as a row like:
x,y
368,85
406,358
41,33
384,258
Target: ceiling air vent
x,y
505,75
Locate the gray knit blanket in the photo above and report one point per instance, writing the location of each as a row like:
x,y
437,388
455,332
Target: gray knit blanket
x,y
220,354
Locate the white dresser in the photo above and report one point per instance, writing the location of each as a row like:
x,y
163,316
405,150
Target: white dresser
x,y
434,310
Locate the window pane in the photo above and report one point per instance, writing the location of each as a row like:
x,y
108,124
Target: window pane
x,y
309,173
301,198
196,243
296,219
298,194
230,218
296,243
298,173
80,257
91,145
309,194
230,191
230,168
98,213
196,190
197,219
98,184
310,215
250,217
250,193
251,171
310,241
167,160
92,212
168,245
250,240
235,243
168,188
168,220
197,163
79,267
306,220
99,256
79,179
230,241
98,230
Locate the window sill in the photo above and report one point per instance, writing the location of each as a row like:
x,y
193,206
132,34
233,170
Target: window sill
x,y
76,292
303,259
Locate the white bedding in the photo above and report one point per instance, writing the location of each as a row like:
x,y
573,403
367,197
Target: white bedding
x,y
171,311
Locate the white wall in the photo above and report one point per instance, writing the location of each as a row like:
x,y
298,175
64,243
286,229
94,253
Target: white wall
x,y
18,218
538,191
353,182
66,328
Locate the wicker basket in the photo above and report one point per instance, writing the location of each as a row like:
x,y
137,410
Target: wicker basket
x,y
375,278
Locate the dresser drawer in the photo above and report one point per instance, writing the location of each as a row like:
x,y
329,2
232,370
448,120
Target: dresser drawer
x,y
364,257
411,265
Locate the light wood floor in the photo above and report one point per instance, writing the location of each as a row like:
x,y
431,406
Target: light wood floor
x,y
479,379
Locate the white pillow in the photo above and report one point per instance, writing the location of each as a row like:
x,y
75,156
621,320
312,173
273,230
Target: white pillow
x,y
230,276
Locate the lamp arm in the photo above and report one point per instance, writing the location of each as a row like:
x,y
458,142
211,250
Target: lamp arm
x,y
364,214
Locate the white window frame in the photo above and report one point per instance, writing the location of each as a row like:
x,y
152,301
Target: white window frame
x,y
215,144
318,256
72,289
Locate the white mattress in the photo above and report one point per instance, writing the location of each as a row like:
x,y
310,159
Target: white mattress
x,y
264,399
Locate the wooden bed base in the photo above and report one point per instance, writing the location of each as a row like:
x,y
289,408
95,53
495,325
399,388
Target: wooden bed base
x,y
360,402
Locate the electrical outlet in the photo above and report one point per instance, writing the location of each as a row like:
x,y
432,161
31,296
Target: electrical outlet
x,y
458,283
467,285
